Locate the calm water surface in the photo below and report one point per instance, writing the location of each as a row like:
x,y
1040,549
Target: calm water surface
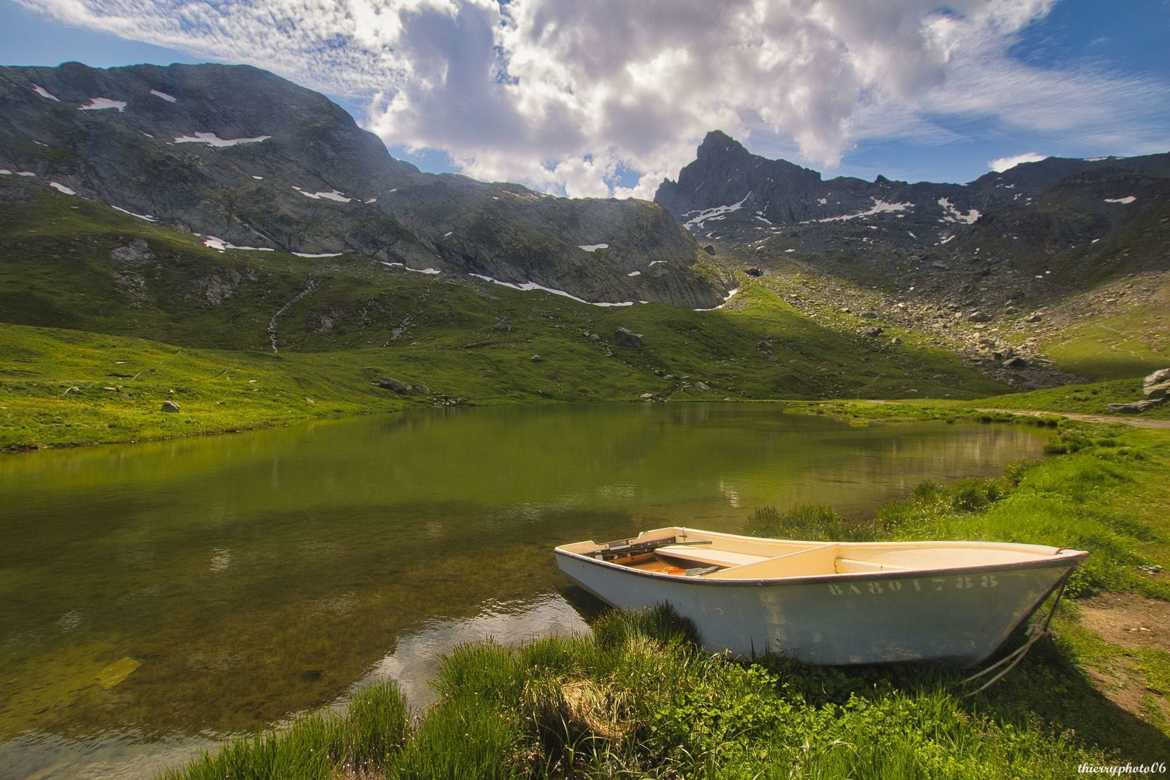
x,y
154,598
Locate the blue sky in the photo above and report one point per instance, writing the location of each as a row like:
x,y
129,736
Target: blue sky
x,y
609,97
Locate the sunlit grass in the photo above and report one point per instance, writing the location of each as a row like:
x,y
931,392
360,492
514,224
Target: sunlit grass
x,y
362,742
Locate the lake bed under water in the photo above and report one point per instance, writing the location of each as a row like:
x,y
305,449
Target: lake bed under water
x,y
157,597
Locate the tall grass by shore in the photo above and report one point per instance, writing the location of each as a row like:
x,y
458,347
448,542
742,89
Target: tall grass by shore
x,y
638,698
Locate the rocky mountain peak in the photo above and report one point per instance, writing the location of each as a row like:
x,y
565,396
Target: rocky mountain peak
x,y
717,144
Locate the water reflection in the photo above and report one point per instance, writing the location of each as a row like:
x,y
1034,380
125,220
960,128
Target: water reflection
x,y
245,578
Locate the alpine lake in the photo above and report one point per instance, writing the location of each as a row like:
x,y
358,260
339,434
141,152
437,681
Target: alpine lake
x,y
158,598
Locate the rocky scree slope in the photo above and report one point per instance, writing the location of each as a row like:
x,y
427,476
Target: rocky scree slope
x,y
249,160
995,269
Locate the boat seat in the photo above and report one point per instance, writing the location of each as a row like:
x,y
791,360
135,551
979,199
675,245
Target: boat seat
x,y
704,554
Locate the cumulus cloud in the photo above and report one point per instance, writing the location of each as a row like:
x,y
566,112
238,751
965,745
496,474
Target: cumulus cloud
x,y
565,95
1001,164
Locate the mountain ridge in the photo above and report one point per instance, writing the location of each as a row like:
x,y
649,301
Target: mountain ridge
x,y
997,269
248,159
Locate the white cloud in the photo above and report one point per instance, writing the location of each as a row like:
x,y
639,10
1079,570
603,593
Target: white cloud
x,y
1001,164
563,94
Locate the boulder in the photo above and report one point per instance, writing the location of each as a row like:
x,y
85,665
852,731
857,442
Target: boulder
x,y
709,249
873,332
625,337
979,316
390,383
1136,407
1157,384
169,406
1158,377
754,272
1015,362
536,359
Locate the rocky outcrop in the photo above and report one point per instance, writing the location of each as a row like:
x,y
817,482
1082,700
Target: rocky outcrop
x,y
1157,385
1155,388
136,253
1136,407
624,337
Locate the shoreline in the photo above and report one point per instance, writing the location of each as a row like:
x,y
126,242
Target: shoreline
x,y
613,701
898,409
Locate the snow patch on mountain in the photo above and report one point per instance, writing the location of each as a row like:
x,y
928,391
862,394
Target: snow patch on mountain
x,y
146,217
101,104
712,214
211,139
37,88
879,207
726,299
593,247
952,214
333,195
62,188
1128,199
406,267
219,245
164,96
529,286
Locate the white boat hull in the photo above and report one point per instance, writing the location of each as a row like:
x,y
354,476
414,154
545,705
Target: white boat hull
x,y
958,616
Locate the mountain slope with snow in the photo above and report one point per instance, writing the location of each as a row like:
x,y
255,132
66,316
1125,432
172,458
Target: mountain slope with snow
x,y
252,160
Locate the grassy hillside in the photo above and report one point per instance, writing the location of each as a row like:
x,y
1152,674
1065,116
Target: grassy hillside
x,y
1130,341
182,322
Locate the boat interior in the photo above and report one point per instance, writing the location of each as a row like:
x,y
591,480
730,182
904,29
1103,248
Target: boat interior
x,y
711,555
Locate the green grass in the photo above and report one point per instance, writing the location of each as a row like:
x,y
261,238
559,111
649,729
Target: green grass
x,y
1132,342
637,698
196,322
1084,399
364,741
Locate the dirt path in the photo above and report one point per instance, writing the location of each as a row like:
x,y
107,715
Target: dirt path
x,y
1135,623
1133,422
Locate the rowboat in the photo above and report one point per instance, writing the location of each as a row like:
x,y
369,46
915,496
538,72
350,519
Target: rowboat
x,y
831,603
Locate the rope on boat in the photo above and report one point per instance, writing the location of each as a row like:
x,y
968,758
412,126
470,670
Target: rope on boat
x,y
1036,633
